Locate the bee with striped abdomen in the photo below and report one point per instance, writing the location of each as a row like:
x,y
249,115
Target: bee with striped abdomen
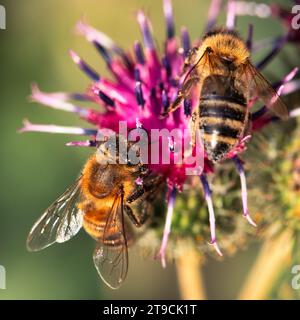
x,y
104,200
224,80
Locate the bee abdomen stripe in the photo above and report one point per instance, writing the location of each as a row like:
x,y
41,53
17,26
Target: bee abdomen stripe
x,y
228,141
222,111
220,130
99,225
234,99
233,124
113,240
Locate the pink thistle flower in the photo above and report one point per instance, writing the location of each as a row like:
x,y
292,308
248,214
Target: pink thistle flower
x,y
143,86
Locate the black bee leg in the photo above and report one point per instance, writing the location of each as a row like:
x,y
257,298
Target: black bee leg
x,y
147,185
259,113
192,77
152,183
136,194
138,221
184,91
190,59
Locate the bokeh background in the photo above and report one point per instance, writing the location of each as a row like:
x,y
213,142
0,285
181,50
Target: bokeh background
x,y
36,168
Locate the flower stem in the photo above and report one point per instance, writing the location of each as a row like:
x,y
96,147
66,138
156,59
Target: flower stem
x,y
189,275
274,256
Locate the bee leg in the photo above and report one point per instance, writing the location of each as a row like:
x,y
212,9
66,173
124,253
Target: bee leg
x,y
147,185
259,113
261,118
183,92
151,184
207,194
241,171
190,59
136,194
194,127
138,221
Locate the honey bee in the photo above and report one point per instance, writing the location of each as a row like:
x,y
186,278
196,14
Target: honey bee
x,y
98,201
224,80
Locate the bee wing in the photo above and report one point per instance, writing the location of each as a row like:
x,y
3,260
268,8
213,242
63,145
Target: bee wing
x,y
60,222
264,90
111,254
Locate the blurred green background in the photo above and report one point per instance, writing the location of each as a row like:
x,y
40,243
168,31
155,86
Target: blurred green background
x,y
36,168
